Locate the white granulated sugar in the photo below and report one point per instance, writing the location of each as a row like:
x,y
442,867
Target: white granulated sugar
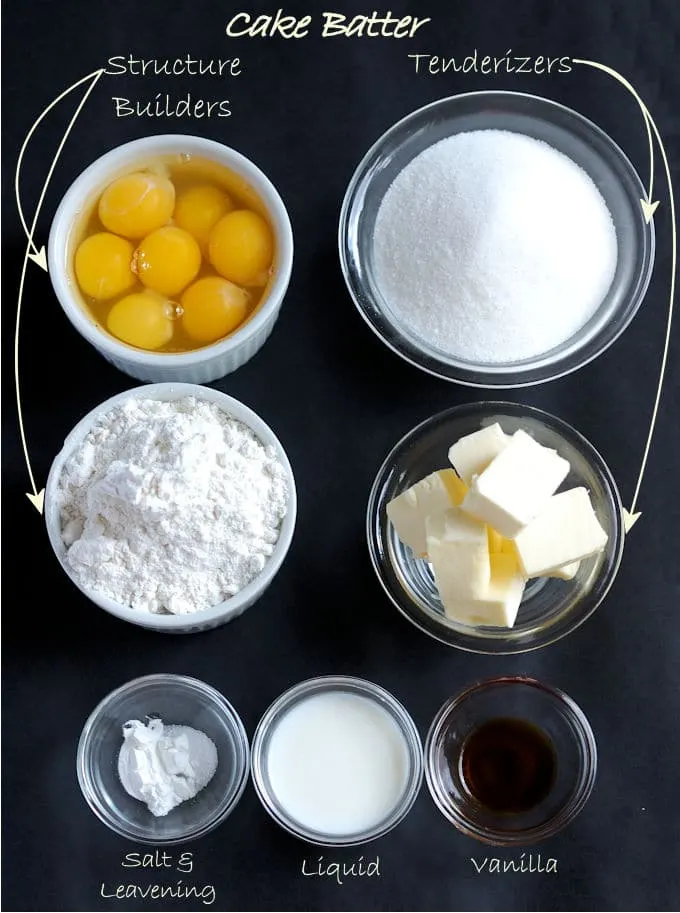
x,y
493,246
170,507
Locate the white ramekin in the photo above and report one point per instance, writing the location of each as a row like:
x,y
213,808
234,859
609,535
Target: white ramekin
x,y
224,611
202,365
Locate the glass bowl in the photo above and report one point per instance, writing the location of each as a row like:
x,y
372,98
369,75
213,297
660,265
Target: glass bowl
x,y
551,607
178,700
526,699
303,691
564,130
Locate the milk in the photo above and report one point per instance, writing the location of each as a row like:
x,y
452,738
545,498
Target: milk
x,y
337,763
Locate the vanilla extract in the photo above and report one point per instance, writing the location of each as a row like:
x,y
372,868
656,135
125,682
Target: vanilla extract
x,y
507,765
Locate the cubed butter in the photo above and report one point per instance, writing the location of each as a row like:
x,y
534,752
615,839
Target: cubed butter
x,y
498,607
472,454
566,571
458,548
408,511
565,531
516,485
495,541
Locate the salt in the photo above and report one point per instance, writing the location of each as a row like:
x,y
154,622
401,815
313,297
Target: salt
x,y
493,247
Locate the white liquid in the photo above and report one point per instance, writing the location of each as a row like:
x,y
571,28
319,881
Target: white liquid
x,y
337,763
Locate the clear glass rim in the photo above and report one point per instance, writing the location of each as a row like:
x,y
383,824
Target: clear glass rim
x,y
472,642
583,733
490,376
232,721
364,688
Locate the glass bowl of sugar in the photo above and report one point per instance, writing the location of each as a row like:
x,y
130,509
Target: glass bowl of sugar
x,y
496,239
551,607
181,703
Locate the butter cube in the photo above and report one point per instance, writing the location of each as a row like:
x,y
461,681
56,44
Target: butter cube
x,y
408,511
499,606
495,541
472,454
565,531
566,571
516,485
458,548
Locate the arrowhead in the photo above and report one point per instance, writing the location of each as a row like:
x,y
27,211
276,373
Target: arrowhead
x,y
38,501
629,520
648,209
41,259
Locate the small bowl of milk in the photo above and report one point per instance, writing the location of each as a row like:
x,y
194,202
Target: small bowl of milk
x,y
337,761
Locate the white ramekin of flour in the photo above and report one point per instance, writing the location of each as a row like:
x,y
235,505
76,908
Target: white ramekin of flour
x,y
140,507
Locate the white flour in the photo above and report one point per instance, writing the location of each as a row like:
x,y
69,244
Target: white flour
x,y
165,765
170,507
493,246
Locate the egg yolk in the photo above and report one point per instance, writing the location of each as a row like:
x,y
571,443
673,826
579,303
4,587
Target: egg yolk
x,y
141,320
213,307
103,265
199,209
241,247
136,204
168,260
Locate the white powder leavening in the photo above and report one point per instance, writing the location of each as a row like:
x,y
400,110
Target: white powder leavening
x,y
170,507
165,765
493,247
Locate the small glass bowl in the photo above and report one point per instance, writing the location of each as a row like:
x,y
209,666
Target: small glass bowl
x,y
349,685
178,700
526,699
563,129
551,608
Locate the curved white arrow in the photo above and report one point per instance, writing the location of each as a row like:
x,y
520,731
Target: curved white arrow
x,y
630,516
37,497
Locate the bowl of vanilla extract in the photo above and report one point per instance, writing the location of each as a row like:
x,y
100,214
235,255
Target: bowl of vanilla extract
x,y
510,761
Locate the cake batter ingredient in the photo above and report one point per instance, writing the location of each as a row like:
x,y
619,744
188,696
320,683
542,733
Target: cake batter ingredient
x,y
141,319
507,764
170,507
337,763
167,260
567,530
241,248
103,266
516,485
409,511
199,209
136,204
485,539
164,766
493,247
173,208
212,308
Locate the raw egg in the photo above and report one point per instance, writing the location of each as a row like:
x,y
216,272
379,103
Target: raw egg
x,y
168,260
136,204
199,209
103,265
241,247
141,319
212,308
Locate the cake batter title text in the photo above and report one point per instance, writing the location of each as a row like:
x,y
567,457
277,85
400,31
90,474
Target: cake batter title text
x,y
333,25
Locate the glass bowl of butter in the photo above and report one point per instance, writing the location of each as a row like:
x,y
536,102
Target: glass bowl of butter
x,y
495,527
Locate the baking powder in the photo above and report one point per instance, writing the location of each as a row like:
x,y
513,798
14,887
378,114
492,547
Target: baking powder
x,y
165,765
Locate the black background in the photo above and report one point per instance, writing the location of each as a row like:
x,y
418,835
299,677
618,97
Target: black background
x,y
305,111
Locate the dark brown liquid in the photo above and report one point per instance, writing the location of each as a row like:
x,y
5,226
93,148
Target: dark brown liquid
x,y
508,765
